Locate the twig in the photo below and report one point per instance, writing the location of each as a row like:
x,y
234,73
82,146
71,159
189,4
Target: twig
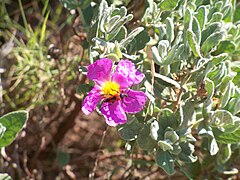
x,y
91,175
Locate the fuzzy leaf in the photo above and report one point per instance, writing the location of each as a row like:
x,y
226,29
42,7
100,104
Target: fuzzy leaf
x,y
167,5
13,122
129,131
168,80
227,138
5,176
212,41
169,29
192,41
144,139
165,161
202,16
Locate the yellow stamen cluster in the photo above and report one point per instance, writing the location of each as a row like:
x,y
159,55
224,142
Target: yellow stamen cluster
x,y
109,89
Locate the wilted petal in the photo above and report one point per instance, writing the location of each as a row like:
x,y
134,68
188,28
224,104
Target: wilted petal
x,y
134,101
91,100
126,74
100,70
113,113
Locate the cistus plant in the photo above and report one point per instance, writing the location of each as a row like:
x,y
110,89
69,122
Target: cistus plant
x,y
189,54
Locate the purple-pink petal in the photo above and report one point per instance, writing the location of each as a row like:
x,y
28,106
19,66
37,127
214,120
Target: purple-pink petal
x,y
126,74
100,70
91,100
133,101
113,113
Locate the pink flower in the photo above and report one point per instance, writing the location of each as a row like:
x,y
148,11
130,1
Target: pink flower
x,y
112,90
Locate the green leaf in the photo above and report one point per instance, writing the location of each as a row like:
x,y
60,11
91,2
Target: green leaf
x,y
121,35
169,29
165,161
234,106
154,130
225,47
83,89
129,131
186,154
163,46
168,119
206,131
196,30
192,41
212,41
236,16
202,16
171,136
62,158
144,139
212,28
188,113
218,59
13,122
221,118
165,145
224,153
2,130
5,176
168,5
228,92
156,57
139,41
168,80
216,17
227,138
130,37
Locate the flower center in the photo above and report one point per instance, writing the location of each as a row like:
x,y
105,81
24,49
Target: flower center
x,y
110,89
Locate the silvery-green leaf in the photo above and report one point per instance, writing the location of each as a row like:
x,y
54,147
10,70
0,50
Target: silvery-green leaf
x,y
167,80
186,154
220,118
154,130
156,57
129,131
228,92
202,16
212,41
163,46
188,113
216,17
171,136
227,138
171,55
168,5
206,131
5,176
169,29
207,106
192,41
165,161
219,58
176,149
188,18
130,37
12,123
144,139
212,28
196,30
165,145
236,16
224,153
227,13
2,130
